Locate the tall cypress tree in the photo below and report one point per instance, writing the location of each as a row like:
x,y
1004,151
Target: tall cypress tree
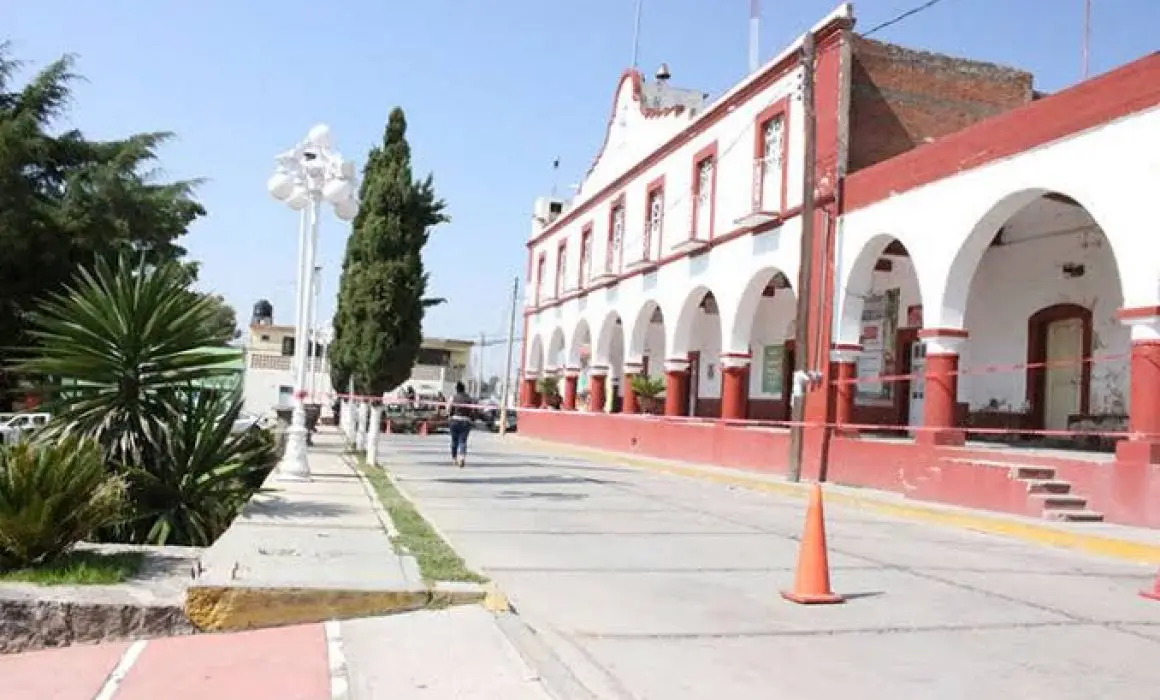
x,y
383,289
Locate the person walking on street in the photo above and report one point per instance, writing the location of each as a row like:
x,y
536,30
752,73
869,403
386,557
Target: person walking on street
x,y
459,412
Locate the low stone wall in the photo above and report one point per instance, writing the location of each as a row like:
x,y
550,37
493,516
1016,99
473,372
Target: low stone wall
x,y
150,605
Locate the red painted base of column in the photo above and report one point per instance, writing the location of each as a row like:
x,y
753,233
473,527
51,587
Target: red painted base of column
x,y
570,393
733,393
676,393
1138,452
844,372
630,402
596,394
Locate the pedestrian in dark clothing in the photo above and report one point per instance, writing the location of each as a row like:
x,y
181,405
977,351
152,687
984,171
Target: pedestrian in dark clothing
x,y
459,411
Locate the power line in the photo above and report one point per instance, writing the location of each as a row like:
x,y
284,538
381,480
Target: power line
x,y
898,18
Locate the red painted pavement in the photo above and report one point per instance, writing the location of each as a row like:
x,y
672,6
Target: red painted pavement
x,y
75,673
287,663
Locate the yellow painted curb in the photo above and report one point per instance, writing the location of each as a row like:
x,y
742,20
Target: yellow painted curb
x,y
1126,550
226,608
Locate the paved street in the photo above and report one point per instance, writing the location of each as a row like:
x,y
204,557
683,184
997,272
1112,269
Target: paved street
x,y
455,654
632,584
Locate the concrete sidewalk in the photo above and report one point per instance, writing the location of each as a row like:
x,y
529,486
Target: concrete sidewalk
x,y
635,584
306,552
455,654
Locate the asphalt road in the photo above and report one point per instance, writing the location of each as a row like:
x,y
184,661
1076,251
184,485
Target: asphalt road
x,y
633,584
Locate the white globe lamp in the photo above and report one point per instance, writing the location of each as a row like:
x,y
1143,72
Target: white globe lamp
x,y
280,185
346,209
320,136
336,191
298,198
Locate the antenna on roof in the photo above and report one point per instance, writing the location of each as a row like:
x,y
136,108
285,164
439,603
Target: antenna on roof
x,y
1087,38
754,34
636,36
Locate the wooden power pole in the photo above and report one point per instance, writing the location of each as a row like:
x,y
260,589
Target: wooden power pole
x,y
800,384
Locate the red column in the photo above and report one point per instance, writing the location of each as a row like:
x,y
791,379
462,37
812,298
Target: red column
x,y
1144,400
570,379
631,369
528,397
676,387
734,375
597,378
941,387
844,359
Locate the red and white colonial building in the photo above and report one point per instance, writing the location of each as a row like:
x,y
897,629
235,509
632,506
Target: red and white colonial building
x,y
984,301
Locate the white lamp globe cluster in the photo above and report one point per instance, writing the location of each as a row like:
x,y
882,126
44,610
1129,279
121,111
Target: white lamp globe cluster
x,y
314,170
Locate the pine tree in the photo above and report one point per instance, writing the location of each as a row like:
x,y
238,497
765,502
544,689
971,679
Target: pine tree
x,y
382,292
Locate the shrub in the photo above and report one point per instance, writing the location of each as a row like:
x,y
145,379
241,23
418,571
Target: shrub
x,y
51,497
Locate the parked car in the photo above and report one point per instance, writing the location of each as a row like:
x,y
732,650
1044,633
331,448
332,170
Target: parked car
x,y
15,426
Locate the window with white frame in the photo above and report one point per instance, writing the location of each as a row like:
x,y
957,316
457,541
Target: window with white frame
x,y
615,237
772,162
704,196
656,217
562,269
585,257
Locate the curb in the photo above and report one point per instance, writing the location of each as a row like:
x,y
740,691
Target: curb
x,y
1102,545
234,608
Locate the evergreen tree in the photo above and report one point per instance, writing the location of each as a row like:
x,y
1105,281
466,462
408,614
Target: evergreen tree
x,y
66,200
382,292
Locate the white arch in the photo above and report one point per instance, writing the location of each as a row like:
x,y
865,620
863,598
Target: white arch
x,y
581,335
555,357
952,301
534,362
638,331
680,341
858,283
609,326
740,320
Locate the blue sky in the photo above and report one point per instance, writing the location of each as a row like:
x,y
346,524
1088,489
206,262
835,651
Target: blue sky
x,y
494,91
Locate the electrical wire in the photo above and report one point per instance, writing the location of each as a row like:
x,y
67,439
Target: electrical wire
x,y
905,15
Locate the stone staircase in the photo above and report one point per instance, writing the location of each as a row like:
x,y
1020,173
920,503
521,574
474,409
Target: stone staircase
x,y
1054,496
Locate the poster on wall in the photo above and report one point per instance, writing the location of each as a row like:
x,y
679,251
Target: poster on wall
x,y
879,339
773,370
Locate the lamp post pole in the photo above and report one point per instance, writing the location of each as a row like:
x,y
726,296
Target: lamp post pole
x,y
306,175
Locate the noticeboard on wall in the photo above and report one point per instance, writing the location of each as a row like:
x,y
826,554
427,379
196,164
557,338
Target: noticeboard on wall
x,y
879,337
773,370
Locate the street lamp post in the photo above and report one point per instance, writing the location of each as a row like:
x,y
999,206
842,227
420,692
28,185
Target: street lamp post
x,y
311,172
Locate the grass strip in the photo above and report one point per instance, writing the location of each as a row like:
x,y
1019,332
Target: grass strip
x,y
80,568
437,560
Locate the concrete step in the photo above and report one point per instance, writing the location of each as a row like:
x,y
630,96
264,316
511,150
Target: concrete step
x,y
1073,516
1053,501
1033,473
1053,486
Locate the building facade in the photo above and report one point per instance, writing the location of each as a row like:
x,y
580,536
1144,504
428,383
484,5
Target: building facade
x,y
441,363
269,381
980,273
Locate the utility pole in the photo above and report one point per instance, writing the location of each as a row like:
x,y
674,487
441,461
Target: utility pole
x,y
507,371
806,262
636,35
479,379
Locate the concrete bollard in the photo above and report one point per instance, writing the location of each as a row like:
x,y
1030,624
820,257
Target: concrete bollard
x,y
375,423
360,434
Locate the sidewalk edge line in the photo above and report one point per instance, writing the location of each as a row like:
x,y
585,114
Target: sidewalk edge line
x,y
1103,545
124,665
336,658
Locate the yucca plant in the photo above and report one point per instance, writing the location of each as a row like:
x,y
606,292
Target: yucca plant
x,y
198,473
53,496
121,342
648,392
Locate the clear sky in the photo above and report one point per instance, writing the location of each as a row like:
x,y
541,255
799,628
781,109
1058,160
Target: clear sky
x,y
494,91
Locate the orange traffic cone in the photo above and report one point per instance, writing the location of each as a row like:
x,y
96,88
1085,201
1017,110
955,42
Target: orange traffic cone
x,y
1154,594
423,428
812,585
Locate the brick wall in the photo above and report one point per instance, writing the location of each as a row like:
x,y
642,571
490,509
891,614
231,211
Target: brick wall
x,y
901,98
